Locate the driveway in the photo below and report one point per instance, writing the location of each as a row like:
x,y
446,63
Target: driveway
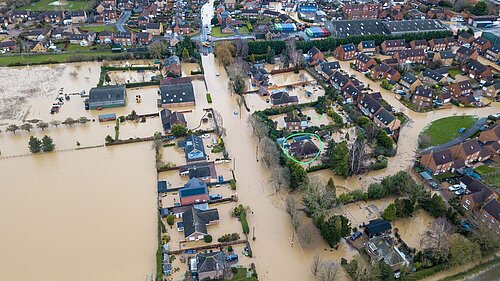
x,y
120,23
479,123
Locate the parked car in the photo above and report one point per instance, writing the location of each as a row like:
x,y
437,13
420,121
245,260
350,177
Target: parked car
x,y
205,136
232,257
460,192
356,235
461,130
215,196
454,187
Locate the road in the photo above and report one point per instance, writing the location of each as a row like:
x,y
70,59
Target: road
x,y
471,131
120,23
207,12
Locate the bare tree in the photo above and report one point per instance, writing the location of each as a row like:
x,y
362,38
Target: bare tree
x,y
356,157
280,177
291,205
219,124
270,153
436,237
55,123
293,54
316,264
225,52
317,198
157,49
241,48
328,271
259,129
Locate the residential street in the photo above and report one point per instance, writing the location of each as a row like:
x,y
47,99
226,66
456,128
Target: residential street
x,y
120,23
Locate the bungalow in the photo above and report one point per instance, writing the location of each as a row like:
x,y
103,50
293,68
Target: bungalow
x,y
78,17
476,70
463,54
382,249
314,55
385,119
481,44
281,98
409,82
364,62
345,52
172,66
169,119
438,44
419,44
489,215
293,122
432,77
177,92
467,150
438,161
212,265
195,222
369,106
410,56
493,53
106,97
377,227
460,88
477,194
194,191
422,98
391,46
466,38
445,58
193,148
303,149
367,47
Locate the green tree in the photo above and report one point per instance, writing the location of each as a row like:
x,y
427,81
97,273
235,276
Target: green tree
x,y
376,191
178,130
170,220
12,128
330,185
340,159
70,121
298,176
47,144
486,239
435,206
462,250
208,238
55,123
185,55
390,212
26,126
384,140
404,207
480,9
34,144
42,125
270,55
334,229
251,58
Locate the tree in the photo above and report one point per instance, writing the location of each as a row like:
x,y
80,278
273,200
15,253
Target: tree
x,y
270,154
280,177
376,191
436,238
170,220
83,120
334,229
70,121
486,239
42,125
384,140
224,51
356,157
404,207
340,159
34,144
237,79
260,130
55,123
12,128
317,198
185,55
219,124
462,250
270,55
178,130
329,271
435,205
208,238
316,264
47,144
390,212
480,9
298,176
26,127
157,49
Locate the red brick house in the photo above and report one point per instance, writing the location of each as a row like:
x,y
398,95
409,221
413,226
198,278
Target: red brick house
x,y
419,44
422,98
364,62
391,46
476,70
466,38
144,38
314,55
293,122
481,44
438,44
438,162
467,151
489,215
463,53
385,71
460,88
345,52
410,56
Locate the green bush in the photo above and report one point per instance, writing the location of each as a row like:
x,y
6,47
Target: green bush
x,y
229,237
232,183
208,238
209,98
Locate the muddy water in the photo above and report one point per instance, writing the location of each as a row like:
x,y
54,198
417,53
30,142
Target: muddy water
x,y
411,229
79,215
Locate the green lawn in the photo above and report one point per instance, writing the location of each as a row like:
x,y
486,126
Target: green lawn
x,y
482,170
99,28
45,5
217,33
494,181
49,57
241,275
454,72
76,47
445,129
243,30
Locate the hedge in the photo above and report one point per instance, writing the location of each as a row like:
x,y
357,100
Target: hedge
x,y
244,222
209,98
142,84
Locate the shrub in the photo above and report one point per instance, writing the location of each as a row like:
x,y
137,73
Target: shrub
x,y
209,98
232,183
208,238
229,237
229,248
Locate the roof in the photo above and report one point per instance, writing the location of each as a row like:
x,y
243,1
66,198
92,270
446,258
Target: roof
x,y
303,148
421,42
107,93
481,41
446,55
465,51
438,41
409,78
169,118
368,44
369,103
177,93
384,116
208,262
382,249
196,220
377,226
349,47
471,146
423,91
162,186
429,73
363,58
193,187
282,97
194,149
346,28
340,79
410,53
476,67
466,35
395,43
442,157
493,208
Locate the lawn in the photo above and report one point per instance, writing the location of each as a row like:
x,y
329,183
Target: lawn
x,y
76,47
444,130
494,181
241,275
482,170
99,28
454,72
53,58
217,33
243,30
45,5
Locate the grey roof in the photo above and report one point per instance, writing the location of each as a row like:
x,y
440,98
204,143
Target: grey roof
x,y
346,28
481,40
446,54
193,187
194,148
423,91
196,220
414,26
368,44
370,103
169,118
442,157
303,148
363,58
409,78
107,93
429,73
377,226
153,25
208,262
384,116
382,249
349,47
495,49
282,97
493,208
465,51
177,93
340,79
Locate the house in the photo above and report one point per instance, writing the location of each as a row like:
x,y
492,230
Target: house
x,y
8,45
123,38
491,135
154,28
144,38
172,66
422,98
326,69
169,119
340,81
410,56
303,149
361,11
369,106
409,82
204,171
105,37
259,76
438,44
377,227
466,38
477,194
211,265
106,97
352,94
419,44
468,151
468,100
177,93
481,44
281,98
491,89
445,58
463,54
385,71
195,222
385,119
432,77
367,47
193,148
194,191
396,14
345,52
78,17
489,215
444,97
476,70
382,248
391,46
438,161
493,53
39,47
314,55
460,88
364,62
293,122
